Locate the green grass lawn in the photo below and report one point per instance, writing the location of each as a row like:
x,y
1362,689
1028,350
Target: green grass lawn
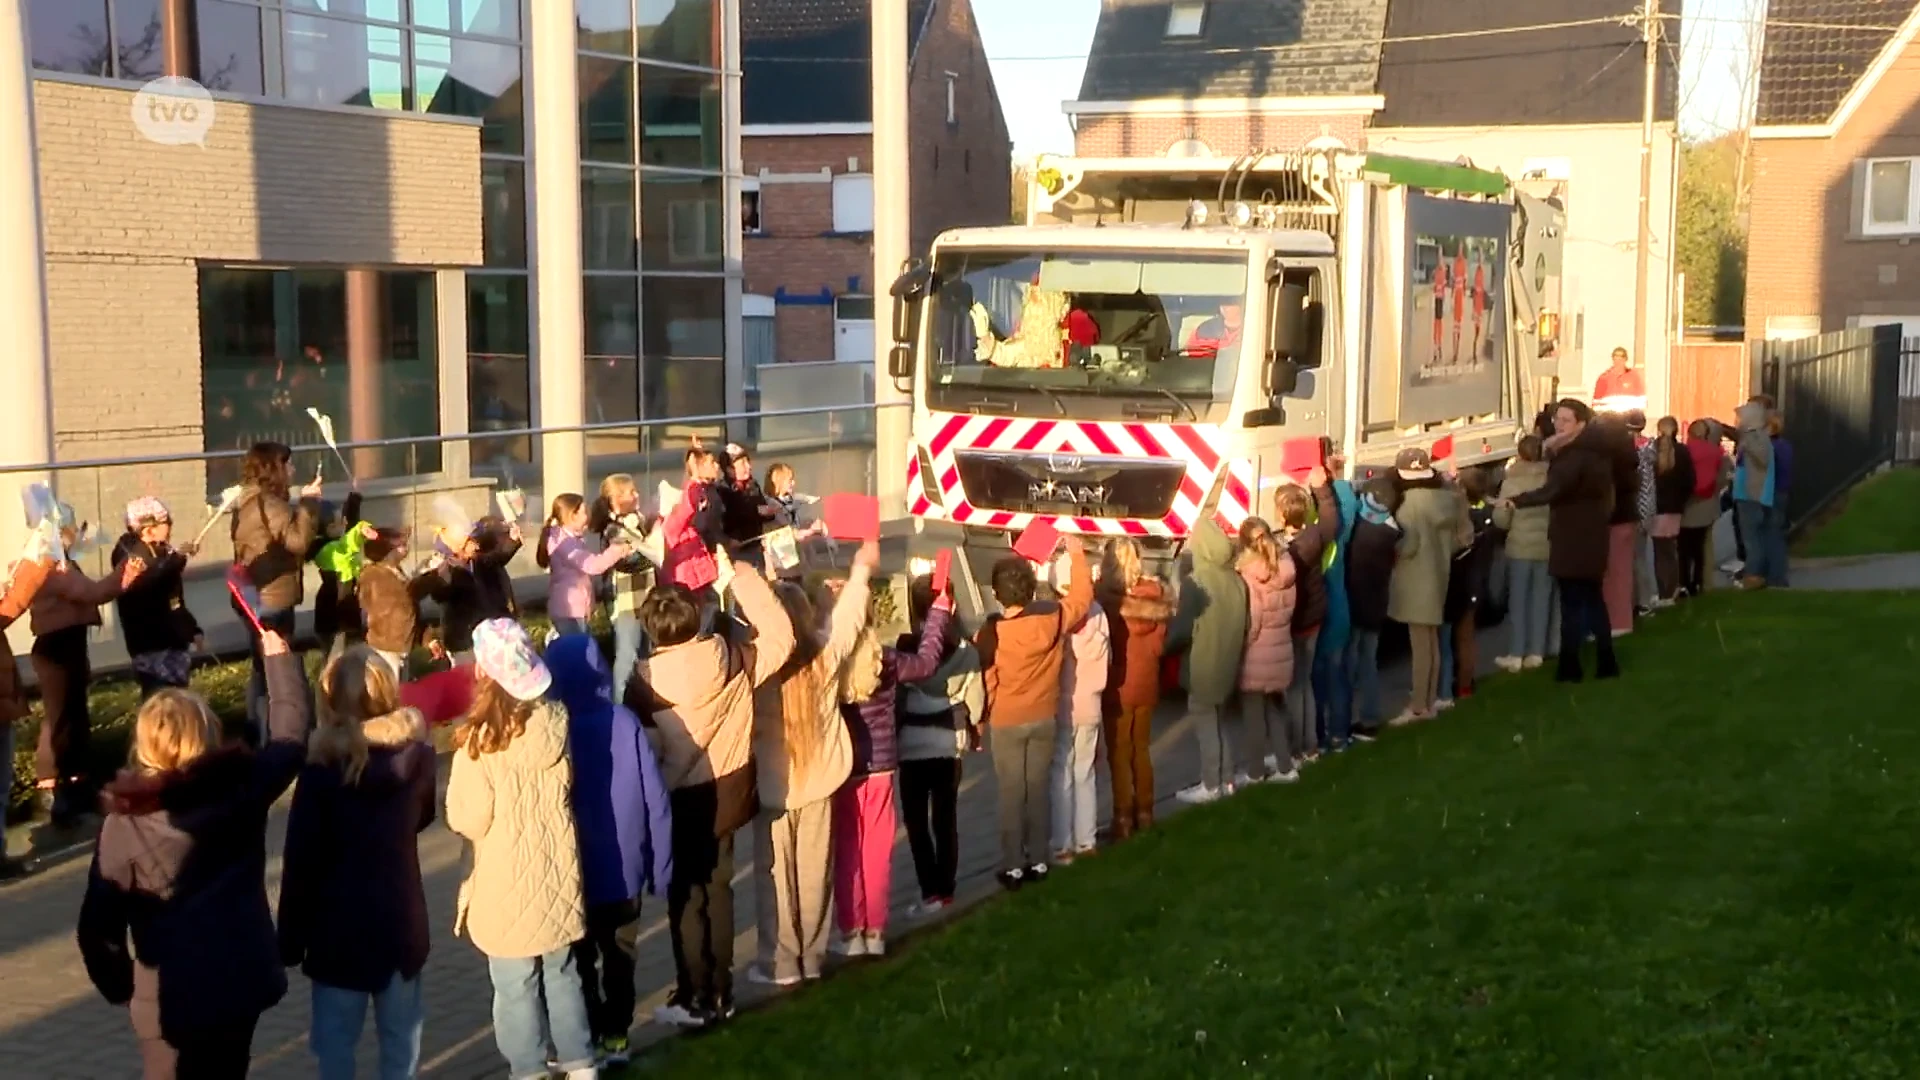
x,y
1705,869
1881,516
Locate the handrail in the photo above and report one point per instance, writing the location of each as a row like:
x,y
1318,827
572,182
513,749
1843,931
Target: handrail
x,y
466,436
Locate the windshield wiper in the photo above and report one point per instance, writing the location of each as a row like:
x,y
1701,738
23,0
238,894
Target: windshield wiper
x,y
1192,417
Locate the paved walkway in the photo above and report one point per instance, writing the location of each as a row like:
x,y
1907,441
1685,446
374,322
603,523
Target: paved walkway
x,y
1859,573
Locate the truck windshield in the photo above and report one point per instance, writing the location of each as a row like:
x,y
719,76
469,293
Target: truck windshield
x,y
1034,329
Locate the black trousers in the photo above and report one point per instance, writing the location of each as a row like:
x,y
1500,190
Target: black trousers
x,y
1583,613
930,799
700,909
1732,505
217,1053
60,664
1693,559
606,959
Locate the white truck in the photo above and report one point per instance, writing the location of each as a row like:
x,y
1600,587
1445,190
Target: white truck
x,y
1167,340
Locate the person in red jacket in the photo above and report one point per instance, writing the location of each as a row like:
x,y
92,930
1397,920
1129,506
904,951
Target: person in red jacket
x,y
1220,332
1620,381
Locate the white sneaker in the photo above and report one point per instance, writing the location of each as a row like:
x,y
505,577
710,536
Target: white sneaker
x,y
1198,794
1623,633
848,945
1272,762
590,1072
1291,776
924,908
1443,704
1409,717
761,976
1507,663
1732,567
876,943
1241,780
1532,662
675,1014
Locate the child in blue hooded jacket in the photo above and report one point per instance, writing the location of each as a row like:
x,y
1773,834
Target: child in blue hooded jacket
x,y
1333,675
625,824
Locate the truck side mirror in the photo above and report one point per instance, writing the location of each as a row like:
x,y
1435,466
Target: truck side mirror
x,y
911,287
1286,315
1307,349
900,362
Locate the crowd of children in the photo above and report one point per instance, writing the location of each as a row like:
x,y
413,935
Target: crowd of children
x,y
741,694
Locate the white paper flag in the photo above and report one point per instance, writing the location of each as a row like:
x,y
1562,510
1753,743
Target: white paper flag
x,y
325,423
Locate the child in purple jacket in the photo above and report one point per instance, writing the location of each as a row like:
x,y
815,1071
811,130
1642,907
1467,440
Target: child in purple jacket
x,y
863,811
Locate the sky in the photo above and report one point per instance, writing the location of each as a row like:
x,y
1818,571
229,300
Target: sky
x,y
1038,50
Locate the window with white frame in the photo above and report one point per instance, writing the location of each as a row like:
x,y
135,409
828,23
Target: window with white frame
x,y
1892,202
1186,19
853,203
750,208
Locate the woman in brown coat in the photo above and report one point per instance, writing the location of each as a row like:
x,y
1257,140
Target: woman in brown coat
x,y
1138,632
270,540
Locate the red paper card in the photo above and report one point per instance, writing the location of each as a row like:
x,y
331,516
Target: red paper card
x,y
1039,542
851,516
441,697
1299,457
1443,448
245,595
942,566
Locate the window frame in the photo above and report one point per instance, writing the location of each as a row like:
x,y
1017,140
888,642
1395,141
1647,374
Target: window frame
x,y
1184,13
750,186
841,225
1911,226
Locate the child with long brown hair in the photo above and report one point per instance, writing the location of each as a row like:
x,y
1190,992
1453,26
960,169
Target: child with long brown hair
x,y
572,568
1267,664
353,910
522,903
1138,631
802,754
1672,490
1309,522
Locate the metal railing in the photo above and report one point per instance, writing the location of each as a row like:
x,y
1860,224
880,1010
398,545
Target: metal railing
x,y
1839,396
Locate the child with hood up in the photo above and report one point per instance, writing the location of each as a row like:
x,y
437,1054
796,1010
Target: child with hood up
x,y
625,823
1267,663
1529,586
940,718
160,632
1139,640
510,793
353,909
1211,629
1371,551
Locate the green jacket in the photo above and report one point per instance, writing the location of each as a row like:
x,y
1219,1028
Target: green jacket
x,y
343,556
1211,624
1435,528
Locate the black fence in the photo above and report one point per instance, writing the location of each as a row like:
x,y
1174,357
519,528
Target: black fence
x,y
1839,394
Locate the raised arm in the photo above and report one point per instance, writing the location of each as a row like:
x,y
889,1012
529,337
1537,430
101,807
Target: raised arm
x,y
1079,599
772,630
29,575
289,712
912,667
849,616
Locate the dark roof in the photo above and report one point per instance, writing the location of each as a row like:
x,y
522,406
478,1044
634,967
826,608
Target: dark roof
x,y
1573,75
1805,72
1246,48
808,61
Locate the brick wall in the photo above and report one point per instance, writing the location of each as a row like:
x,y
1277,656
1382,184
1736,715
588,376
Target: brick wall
x,y
127,223
1228,136
1805,254
961,171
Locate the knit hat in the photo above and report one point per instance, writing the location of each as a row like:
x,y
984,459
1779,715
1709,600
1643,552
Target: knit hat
x,y
146,510
503,653
1413,463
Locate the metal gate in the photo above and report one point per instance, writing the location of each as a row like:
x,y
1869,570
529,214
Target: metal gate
x,y
1839,395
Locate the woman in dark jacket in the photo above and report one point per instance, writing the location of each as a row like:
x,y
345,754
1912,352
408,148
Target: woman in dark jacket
x,y
474,586
1615,440
1672,490
353,912
175,923
160,632
1580,493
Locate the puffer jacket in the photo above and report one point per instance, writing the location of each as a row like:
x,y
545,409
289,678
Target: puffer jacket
x,y
874,723
782,785
1309,551
1526,528
270,540
1211,625
523,896
1139,635
1084,669
1266,665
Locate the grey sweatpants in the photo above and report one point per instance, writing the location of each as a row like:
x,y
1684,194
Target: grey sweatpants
x,y
1263,732
794,882
1022,760
1216,754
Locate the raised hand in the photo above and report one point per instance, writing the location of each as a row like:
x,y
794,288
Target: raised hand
x,y
868,555
272,644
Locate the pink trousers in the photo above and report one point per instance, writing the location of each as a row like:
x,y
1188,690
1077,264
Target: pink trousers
x,y
863,827
1618,586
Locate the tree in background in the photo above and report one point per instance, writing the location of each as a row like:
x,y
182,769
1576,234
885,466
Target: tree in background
x,y
1711,238
1021,174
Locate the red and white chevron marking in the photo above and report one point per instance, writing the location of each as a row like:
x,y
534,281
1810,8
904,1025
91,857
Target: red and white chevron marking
x,y
1198,445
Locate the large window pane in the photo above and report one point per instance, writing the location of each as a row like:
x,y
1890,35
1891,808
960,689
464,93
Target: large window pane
x,y
606,219
503,222
497,369
683,316
679,118
613,348
606,110
1891,186
330,62
358,345
385,10
604,25
684,227
676,387
230,54
139,39
70,36
683,31
457,77
492,18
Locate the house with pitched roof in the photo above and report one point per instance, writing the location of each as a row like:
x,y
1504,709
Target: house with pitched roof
x,y
1506,86
1834,203
807,143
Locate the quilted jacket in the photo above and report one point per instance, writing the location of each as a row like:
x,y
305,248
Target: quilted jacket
x,y
1266,664
522,897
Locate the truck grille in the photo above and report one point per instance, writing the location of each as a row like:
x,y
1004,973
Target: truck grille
x,y
1070,485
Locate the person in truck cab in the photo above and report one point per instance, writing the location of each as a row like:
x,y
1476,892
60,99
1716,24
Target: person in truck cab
x,y
1220,332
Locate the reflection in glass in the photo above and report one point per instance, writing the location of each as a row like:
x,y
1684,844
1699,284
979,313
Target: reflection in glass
x,y
329,62
681,31
606,218
498,381
683,316
458,77
230,56
503,222
684,387
139,41
604,25
489,18
70,36
612,315
606,110
684,229
679,118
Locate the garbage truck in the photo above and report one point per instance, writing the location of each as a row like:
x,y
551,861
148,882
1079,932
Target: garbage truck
x,y
1165,341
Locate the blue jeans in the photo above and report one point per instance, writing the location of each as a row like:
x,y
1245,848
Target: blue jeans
x,y
279,620
1363,665
1333,693
1529,603
524,1023
1764,532
1446,663
629,645
397,1016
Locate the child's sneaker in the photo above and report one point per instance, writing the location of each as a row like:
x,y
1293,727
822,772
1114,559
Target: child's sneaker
x,y
849,945
680,1014
1037,872
1241,780
1291,776
1011,880
762,977
1272,762
1198,794
876,943
1443,704
1364,735
612,1050
1411,716
1508,664
1533,662
1063,858
933,905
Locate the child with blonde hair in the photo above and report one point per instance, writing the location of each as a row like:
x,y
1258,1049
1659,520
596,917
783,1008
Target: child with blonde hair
x,y
353,909
1267,660
175,923
617,520
522,903
1137,629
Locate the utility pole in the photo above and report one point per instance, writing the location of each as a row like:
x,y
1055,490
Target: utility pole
x,y
892,243
1648,18
27,438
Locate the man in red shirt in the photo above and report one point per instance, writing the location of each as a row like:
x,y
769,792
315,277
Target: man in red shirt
x,y
1620,381
1479,305
1220,332
1459,295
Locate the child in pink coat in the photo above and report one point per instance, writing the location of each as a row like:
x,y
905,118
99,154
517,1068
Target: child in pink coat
x,y
1266,665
